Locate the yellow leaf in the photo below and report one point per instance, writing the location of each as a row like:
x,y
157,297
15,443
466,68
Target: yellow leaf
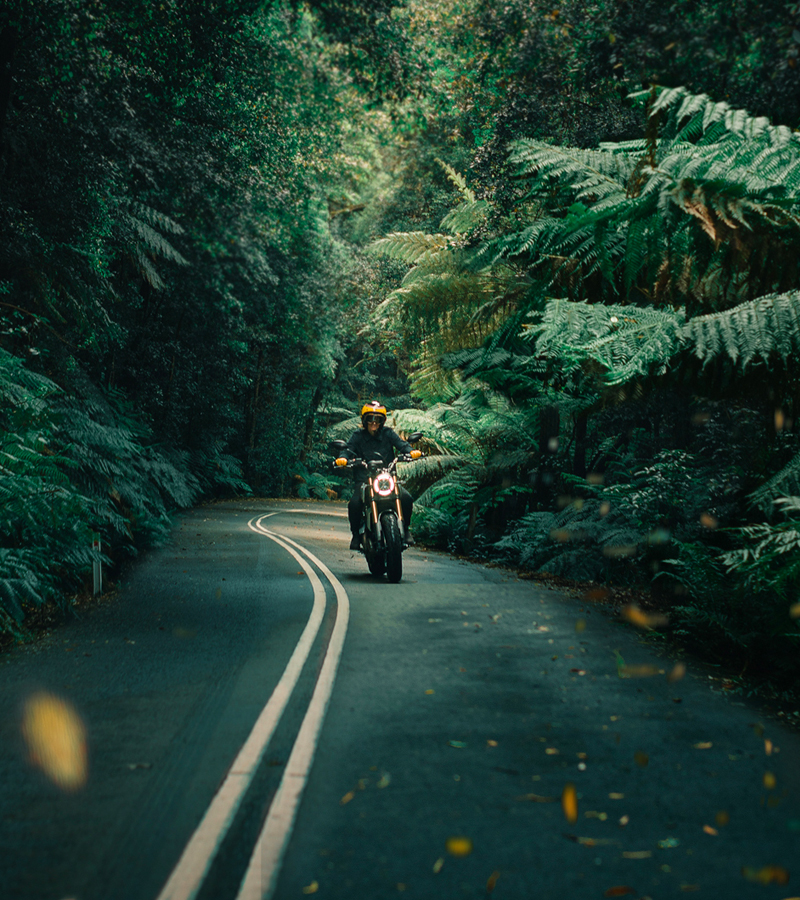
x,y
311,888
616,796
437,866
678,671
569,803
458,846
641,619
709,830
769,781
703,745
56,740
347,797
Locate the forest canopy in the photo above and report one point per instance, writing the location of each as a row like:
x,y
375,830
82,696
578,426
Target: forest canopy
x,y
561,239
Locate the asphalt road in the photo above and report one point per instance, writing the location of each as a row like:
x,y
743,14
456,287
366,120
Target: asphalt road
x,y
465,703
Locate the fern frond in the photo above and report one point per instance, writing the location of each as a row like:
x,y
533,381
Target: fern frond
x,y
410,247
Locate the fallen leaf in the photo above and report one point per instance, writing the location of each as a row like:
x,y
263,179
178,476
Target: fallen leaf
x,y
722,818
703,745
678,672
347,797
643,671
616,796
768,746
458,846
56,740
385,780
311,888
492,881
491,743
569,803
642,759
709,830
637,854
437,866
619,890
551,751
459,745
593,814
766,874
624,821
770,781
638,617
430,691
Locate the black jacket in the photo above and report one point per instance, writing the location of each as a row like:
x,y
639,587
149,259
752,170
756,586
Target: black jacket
x,y
363,445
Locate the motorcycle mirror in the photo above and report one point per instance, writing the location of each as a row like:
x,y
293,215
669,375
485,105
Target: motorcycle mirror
x,y
337,445
413,438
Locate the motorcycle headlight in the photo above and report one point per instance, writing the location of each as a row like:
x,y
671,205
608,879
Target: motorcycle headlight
x,y
383,485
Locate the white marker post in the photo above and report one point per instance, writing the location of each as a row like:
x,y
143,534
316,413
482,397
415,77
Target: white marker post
x,y
97,566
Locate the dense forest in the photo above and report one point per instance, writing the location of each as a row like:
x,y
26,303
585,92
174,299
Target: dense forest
x,y
562,239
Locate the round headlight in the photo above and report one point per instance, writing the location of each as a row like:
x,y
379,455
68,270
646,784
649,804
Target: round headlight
x,y
383,485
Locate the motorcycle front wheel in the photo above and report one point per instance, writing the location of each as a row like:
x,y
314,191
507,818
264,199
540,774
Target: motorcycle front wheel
x,y
394,547
375,559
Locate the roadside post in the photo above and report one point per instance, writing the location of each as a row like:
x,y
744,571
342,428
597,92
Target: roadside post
x,y
97,566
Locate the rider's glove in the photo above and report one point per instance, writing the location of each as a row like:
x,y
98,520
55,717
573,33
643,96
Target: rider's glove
x,y
341,461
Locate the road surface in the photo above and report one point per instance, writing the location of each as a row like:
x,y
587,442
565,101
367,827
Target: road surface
x,y
264,719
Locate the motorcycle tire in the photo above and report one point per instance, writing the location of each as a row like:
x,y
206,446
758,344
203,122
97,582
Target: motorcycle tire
x,y
375,559
394,547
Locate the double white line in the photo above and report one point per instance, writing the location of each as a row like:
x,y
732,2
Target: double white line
x,y
262,871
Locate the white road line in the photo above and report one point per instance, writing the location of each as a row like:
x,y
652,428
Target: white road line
x,y
262,872
188,874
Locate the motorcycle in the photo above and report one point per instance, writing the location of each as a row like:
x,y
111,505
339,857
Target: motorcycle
x,y
383,530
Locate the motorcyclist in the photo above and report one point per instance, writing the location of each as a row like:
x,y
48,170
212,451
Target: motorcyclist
x,y
374,441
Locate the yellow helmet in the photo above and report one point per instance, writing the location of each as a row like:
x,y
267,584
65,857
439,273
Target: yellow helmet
x,y
373,409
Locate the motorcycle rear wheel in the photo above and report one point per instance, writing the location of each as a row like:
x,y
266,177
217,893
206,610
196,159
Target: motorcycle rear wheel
x,y
394,547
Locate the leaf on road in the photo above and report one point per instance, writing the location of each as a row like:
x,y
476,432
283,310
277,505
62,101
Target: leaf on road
x,y
491,881
616,796
643,671
642,759
677,673
668,843
430,691
311,888
437,866
703,745
619,890
347,797
641,619
569,803
770,781
459,745
56,740
722,818
594,814
551,751
709,830
458,846
385,780
766,874
491,743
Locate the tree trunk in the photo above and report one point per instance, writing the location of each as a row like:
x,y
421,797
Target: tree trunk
x,y
8,43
